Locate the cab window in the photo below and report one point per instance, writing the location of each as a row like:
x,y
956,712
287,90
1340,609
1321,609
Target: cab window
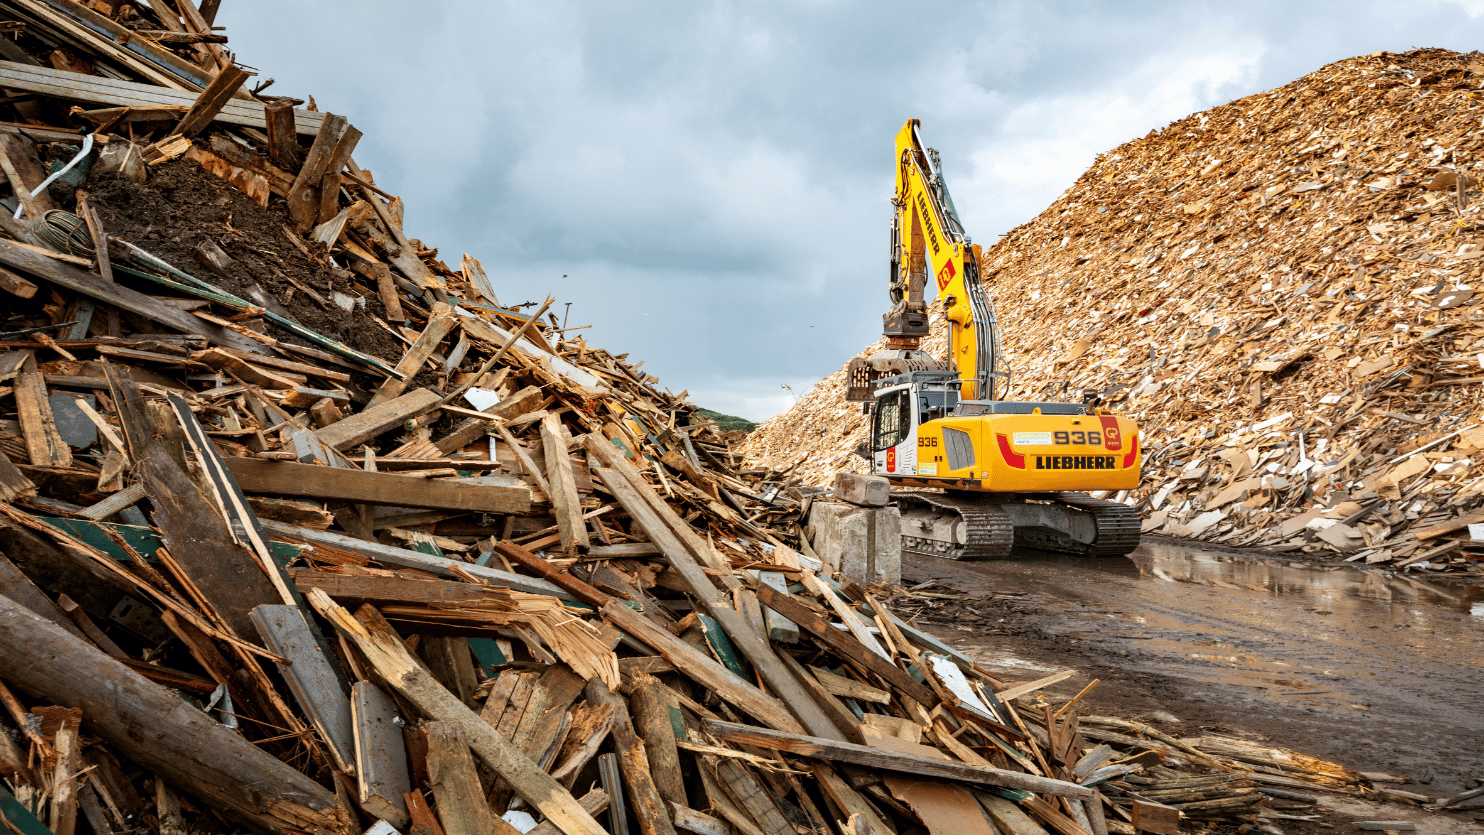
x,y
893,420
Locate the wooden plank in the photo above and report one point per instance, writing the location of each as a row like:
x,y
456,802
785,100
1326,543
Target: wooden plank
x,y
650,703
702,668
381,754
890,760
312,680
73,86
404,558
945,808
751,796
523,402
184,746
621,482
71,278
563,488
286,478
780,628
365,425
384,651
376,588
303,196
441,322
1032,686
455,782
845,645
849,688
200,541
1010,819
13,483
648,806
44,443
15,285
211,101
283,140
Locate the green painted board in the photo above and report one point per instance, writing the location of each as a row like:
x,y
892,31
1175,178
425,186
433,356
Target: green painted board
x,y
721,647
141,539
19,817
488,654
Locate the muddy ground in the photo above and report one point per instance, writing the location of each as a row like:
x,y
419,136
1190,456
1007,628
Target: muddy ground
x,y
1379,672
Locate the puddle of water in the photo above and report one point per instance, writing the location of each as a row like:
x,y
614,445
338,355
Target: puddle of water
x,y
1329,636
1389,661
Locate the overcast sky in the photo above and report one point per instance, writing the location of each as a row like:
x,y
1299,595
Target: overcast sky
x,y
708,182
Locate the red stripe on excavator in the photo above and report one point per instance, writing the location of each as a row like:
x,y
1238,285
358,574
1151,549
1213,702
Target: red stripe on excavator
x,y
1011,457
1133,452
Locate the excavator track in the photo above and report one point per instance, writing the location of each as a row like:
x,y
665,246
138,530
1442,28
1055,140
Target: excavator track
x,y
1118,528
967,526
986,529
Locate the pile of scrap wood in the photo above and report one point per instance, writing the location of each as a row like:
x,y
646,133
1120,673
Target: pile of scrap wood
x,y
463,575
1280,290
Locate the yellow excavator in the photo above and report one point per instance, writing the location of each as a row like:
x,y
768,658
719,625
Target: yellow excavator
x,y
1011,473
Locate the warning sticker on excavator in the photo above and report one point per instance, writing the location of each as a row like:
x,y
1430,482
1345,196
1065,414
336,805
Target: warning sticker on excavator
x,y
1031,438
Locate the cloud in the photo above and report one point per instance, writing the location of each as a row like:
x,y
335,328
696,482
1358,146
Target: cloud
x,y
712,179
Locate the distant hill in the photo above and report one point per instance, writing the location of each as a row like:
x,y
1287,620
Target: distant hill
x,y
728,422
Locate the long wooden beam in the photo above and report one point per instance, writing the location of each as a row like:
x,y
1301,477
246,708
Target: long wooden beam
x,y
404,558
71,278
189,749
92,88
849,752
286,478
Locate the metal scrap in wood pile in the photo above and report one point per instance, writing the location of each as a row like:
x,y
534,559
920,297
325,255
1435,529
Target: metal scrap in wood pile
x,y
1282,291
443,569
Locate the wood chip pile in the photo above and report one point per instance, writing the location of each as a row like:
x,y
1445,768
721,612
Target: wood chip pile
x,y
1283,291
450,571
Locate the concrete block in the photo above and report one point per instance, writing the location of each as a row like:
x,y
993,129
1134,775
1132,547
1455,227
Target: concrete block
x,y
862,489
860,544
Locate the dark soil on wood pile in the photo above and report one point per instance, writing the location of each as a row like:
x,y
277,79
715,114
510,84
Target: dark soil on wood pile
x,y
183,205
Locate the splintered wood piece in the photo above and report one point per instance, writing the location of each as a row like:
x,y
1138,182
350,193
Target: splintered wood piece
x,y
523,402
283,140
850,801
15,285
945,808
650,703
633,759
891,760
385,652
39,426
303,196
1156,818
63,814
591,725
212,100
13,484
845,645
702,668
313,681
750,795
287,478
365,425
422,819
1010,819
455,782
565,503
442,321
184,746
228,575
547,706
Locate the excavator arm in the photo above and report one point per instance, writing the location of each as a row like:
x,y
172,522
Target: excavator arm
x,y
928,240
